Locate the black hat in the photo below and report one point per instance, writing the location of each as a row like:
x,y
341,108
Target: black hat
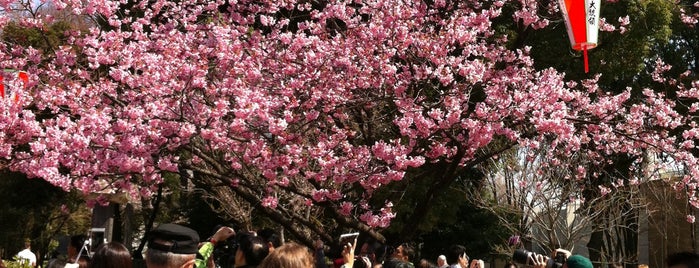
x,y
174,238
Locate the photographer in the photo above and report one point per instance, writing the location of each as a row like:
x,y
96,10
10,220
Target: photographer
x,y
348,254
561,258
538,261
251,250
560,255
206,249
557,260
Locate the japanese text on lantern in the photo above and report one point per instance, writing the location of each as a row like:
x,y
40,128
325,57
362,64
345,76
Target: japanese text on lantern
x,y
591,10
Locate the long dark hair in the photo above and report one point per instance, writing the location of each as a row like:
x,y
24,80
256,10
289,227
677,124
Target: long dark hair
x,y
111,255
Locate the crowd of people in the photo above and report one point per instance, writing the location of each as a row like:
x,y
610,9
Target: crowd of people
x,y
177,246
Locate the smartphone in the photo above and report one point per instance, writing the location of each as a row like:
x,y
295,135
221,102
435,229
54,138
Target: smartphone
x,y
348,238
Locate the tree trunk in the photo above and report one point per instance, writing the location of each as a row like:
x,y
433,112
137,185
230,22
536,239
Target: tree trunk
x,y
630,236
117,232
594,247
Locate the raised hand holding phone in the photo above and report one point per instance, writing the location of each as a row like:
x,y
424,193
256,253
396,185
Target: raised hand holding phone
x,y
348,243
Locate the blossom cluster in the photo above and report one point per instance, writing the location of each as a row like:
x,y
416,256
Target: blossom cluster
x,y
350,94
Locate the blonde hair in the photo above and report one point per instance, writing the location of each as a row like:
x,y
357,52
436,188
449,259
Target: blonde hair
x,y
289,255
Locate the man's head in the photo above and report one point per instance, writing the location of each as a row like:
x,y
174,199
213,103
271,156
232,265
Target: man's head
x,y
577,261
371,249
457,255
403,252
367,250
683,260
171,246
252,249
441,260
271,238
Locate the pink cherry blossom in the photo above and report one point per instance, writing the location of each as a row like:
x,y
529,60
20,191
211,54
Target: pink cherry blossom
x,y
324,110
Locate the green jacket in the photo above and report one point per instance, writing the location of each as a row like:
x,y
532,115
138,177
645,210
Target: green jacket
x,y
205,252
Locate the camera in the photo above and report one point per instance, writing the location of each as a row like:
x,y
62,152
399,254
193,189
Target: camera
x,y
224,251
524,257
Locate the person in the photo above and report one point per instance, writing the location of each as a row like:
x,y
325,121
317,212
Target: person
x,y
289,255
319,248
271,238
78,252
367,254
174,246
27,255
251,250
54,256
426,264
510,265
348,254
57,263
206,249
456,257
577,261
396,263
83,262
111,255
682,260
171,246
77,243
574,261
442,261
405,253
372,254
380,254
540,261
476,263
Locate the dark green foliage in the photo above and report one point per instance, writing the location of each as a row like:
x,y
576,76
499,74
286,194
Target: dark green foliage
x,y
476,229
31,209
46,40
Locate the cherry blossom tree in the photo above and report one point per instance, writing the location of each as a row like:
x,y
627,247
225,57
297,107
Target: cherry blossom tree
x,y
304,108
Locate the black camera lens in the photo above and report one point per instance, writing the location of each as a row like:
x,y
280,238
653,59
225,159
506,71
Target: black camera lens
x,y
522,256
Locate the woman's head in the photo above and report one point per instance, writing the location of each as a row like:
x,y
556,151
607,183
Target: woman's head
x,y
111,255
289,255
511,265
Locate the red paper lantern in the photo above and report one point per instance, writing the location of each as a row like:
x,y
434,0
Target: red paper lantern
x,y
582,22
21,75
